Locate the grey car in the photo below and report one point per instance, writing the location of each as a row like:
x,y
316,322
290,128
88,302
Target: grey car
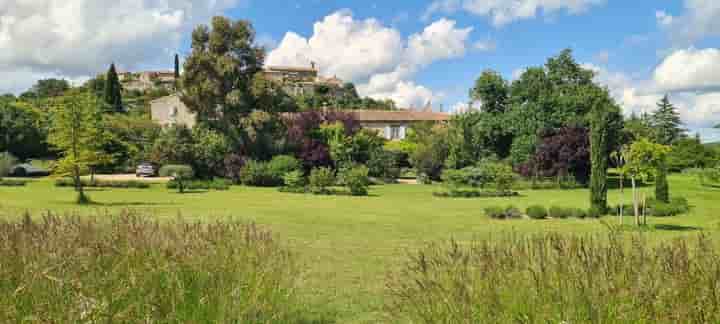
x,y
28,170
146,170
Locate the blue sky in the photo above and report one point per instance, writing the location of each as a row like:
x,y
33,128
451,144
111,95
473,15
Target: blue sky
x,y
411,51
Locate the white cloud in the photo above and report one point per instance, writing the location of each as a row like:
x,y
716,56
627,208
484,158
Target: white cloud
x,y
700,19
73,38
374,56
503,12
689,70
487,45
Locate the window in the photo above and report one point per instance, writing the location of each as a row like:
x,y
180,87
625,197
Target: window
x,y
394,132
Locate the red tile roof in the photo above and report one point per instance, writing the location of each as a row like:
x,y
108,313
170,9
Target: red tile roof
x,y
398,115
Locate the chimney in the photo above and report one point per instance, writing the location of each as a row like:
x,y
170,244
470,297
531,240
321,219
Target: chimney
x,y
312,64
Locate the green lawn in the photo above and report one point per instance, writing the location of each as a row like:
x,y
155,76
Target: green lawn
x,y
349,243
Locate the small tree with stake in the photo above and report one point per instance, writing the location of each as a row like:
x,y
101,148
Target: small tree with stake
x,y
642,159
77,133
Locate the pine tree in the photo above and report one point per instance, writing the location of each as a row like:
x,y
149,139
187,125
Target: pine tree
x,y
113,95
666,122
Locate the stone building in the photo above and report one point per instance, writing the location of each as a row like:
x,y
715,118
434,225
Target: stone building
x,y
147,80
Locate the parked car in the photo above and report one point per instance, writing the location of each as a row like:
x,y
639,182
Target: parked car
x,y
28,170
146,169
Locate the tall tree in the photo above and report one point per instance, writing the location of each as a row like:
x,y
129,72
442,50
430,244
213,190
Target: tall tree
x,y
177,67
47,88
22,130
113,90
218,73
601,116
491,91
666,122
76,132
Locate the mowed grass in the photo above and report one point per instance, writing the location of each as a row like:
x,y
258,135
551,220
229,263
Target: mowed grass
x,y
349,244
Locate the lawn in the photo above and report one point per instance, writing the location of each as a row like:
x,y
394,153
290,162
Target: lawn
x,y
349,244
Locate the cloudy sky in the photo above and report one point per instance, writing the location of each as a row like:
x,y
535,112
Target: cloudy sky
x,y
411,51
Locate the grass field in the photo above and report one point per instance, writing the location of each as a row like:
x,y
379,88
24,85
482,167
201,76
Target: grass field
x,y
348,244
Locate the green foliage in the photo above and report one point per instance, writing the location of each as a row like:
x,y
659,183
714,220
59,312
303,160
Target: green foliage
x,y
7,162
383,164
294,179
554,278
432,150
487,172
320,180
269,95
600,148
190,272
560,212
208,151
688,153
219,71
174,146
78,133
215,184
673,207
12,183
113,90
283,164
47,88
258,173
131,139
23,129
177,171
508,212
662,188
95,183
666,123
356,179
466,140
537,212
473,193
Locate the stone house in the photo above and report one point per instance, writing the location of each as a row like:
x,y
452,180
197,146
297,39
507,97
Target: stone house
x,y
390,124
146,80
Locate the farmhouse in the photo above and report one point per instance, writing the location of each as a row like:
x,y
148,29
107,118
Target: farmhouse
x,y
391,124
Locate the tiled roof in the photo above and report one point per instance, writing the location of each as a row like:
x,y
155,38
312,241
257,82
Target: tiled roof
x,y
398,115
289,69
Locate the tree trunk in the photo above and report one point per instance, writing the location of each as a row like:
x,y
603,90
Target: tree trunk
x,y
635,202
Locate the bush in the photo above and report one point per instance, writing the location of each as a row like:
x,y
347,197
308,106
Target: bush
x,y
472,193
12,183
423,178
7,162
215,184
177,170
594,212
356,179
259,174
559,212
676,206
579,213
136,269
283,164
321,179
384,165
129,184
294,179
537,212
558,278
233,167
503,213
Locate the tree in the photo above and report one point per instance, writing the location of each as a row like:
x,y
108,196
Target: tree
x,y
23,130
491,91
466,140
219,71
47,88
113,95
76,132
666,123
641,160
269,96
560,153
689,153
177,67
601,116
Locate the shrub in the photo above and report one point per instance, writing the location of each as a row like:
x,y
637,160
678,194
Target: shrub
x,y
503,213
384,165
537,212
136,269
560,212
294,179
579,213
423,178
356,179
133,184
556,278
215,184
321,179
282,164
233,167
472,193
177,170
12,183
7,162
676,206
595,212
256,173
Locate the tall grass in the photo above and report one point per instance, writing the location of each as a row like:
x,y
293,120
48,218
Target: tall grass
x,y
130,269
551,278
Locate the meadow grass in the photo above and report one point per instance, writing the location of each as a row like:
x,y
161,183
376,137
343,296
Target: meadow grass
x,y
348,245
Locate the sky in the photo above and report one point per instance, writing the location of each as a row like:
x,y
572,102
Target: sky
x,y
414,52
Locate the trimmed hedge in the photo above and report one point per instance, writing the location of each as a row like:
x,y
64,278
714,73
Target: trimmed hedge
x,y
216,184
469,193
503,213
537,212
67,182
12,183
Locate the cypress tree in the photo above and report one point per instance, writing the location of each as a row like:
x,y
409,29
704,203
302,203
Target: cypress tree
x,y
599,153
113,95
662,188
177,67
